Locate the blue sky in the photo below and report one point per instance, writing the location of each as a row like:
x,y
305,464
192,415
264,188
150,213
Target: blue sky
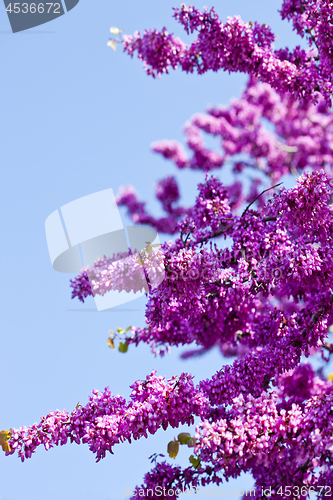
x,y
77,118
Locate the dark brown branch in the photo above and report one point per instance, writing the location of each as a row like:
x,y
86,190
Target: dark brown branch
x,y
217,233
276,185
187,237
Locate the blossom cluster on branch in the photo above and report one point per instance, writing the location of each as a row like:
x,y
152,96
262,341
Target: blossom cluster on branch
x,y
236,45
250,271
260,134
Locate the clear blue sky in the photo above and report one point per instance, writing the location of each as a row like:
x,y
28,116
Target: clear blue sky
x,y
77,118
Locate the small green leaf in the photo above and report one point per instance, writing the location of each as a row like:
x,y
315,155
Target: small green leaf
x,y
123,347
121,330
4,435
5,446
183,437
149,248
110,342
191,442
173,448
195,462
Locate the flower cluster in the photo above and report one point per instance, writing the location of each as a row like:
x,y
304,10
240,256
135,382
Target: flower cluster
x,y
224,298
255,281
313,20
125,271
107,420
157,49
246,47
298,136
262,436
168,187
211,208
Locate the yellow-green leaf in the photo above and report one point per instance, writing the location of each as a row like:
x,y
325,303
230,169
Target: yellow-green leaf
x,y
195,462
123,347
5,446
183,437
191,442
149,248
3,436
121,330
110,343
173,448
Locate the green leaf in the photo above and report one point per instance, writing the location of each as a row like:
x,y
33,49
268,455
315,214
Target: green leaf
x,y
4,435
195,462
183,437
110,342
121,330
191,442
123,347
5,446
173,448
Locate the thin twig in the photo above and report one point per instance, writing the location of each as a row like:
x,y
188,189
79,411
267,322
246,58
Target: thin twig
x,y
214,235
187,237
276,185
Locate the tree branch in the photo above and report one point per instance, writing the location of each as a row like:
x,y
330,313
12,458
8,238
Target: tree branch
x,y
276,185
